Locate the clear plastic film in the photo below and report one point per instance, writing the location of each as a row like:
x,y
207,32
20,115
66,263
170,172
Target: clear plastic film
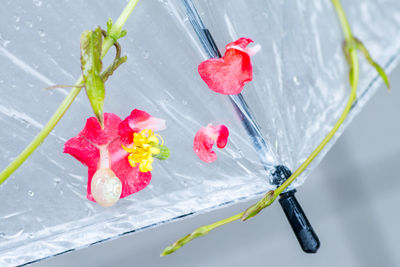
x,y
298,91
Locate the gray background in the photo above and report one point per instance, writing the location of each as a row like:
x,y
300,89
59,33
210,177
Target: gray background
x,y
351,199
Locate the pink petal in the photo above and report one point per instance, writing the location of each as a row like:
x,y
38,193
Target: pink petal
x,y
137,121
239,44
228,75
205,139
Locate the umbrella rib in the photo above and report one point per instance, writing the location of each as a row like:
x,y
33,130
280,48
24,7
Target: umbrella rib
x,y
265,154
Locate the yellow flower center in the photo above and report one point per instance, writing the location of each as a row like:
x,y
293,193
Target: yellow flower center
x,y
145,145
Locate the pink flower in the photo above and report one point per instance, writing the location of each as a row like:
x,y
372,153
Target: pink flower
x,y
205,139
228,75
109,149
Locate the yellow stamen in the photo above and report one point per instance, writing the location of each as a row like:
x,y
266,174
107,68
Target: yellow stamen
x,y
160,137
145,145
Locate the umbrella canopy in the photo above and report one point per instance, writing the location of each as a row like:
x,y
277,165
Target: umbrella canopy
x,y
298,91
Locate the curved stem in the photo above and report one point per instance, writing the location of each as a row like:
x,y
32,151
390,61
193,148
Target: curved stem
x,y
107,44
335,128
269,198
116,29
350,51
354,75
43,133
348,35
201,231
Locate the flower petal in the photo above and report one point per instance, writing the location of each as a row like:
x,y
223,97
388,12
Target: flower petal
x,y
223,136
239,44
139,120
228,75
205,139
85,148
131,178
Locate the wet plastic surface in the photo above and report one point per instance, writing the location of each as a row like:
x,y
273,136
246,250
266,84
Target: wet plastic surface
x,y
299,89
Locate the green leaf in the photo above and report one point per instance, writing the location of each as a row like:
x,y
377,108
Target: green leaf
x,y
109,25
91,64
123,33
378,68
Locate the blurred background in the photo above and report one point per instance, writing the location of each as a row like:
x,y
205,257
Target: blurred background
x,y
351,200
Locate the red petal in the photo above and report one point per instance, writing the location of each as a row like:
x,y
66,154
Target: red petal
x,y
205,139
132,179
84,148
223,136
228,75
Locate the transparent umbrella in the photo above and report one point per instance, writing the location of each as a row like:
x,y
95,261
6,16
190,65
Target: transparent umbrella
x,y
298,91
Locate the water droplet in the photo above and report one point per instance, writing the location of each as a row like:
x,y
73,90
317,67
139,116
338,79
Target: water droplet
x,y
17,19
30,236
16,27
41,33
39,18
2,235
184,102
235,155
6,154
57,181
296,80
29,24
146,54
31,193
37,3
4,41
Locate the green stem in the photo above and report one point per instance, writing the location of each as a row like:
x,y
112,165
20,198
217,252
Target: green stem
x,y
348,36
354,76
107,44
352,97
116,29
272,195
201,231
224,221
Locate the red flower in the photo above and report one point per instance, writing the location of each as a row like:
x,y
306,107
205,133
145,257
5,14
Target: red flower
x,y
101,149
205,139
228,75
